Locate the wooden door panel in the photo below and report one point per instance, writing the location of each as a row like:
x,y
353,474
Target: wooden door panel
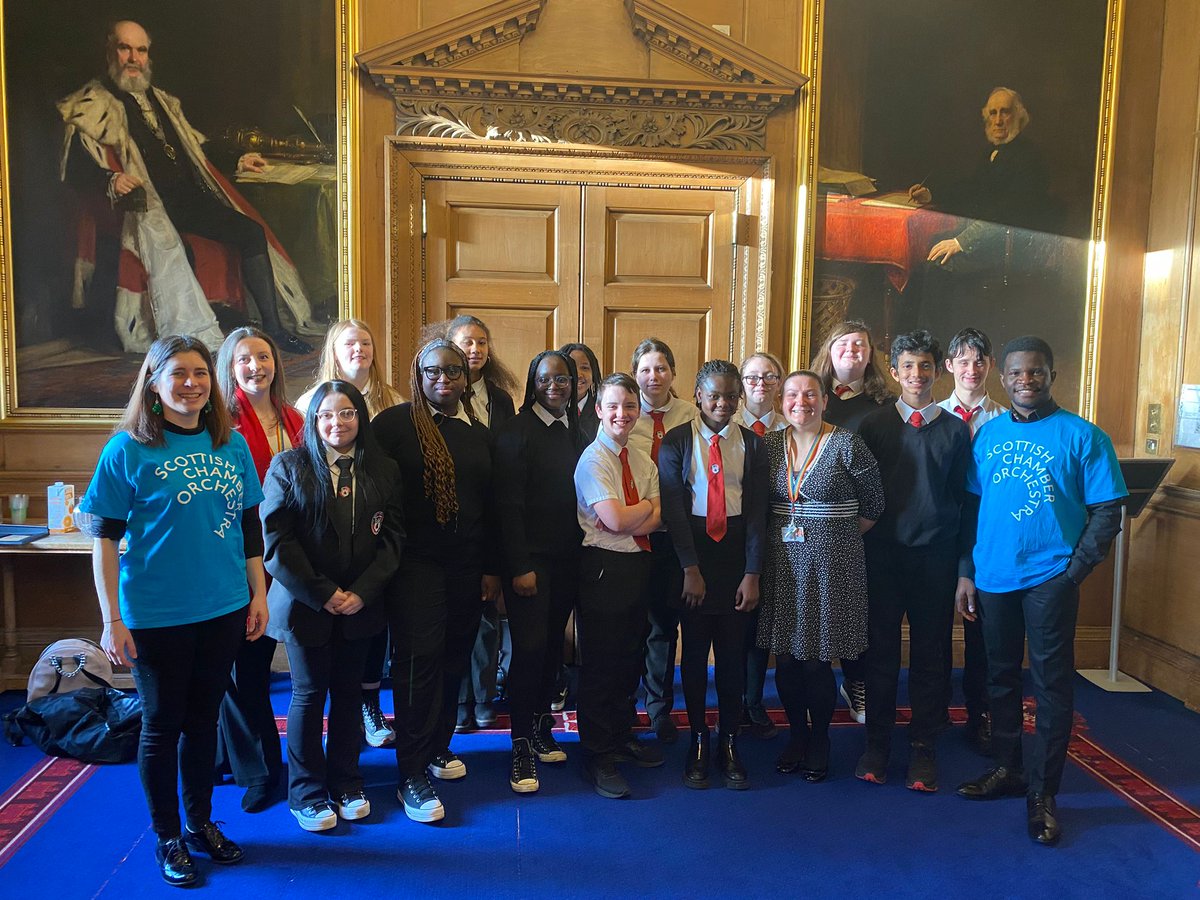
x,y
686,332
658,262
509,254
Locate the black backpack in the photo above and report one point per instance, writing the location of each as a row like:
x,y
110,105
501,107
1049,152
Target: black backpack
x,y
93,724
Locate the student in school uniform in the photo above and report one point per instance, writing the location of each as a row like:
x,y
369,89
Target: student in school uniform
x,y
332,523
448,571
969,360
491,398
616,494
654,370
536,455
855,387
916,555
713,477
762,379
587,378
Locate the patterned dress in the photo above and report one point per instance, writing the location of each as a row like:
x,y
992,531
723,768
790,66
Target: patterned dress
x,y
814,593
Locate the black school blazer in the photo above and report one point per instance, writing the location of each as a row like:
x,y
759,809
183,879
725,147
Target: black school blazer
x,y
302,554
674,470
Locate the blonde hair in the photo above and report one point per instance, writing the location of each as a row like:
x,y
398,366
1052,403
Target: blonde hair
x,y
377,392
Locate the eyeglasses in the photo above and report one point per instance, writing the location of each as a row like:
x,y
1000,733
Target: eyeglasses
x,y
547,380
345,415
433,373
769,378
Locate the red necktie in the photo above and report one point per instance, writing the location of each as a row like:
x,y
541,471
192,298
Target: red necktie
x,y
714,522
841,390
631,494
915,419
965,414
658,434
759,428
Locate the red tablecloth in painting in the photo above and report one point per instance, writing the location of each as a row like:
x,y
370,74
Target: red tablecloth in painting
x,y
896,238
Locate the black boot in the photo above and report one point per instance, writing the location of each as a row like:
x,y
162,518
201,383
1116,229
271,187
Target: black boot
x,y
260,279
695,773
730,764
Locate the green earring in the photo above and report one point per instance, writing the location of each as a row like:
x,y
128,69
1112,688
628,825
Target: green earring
x,y
208,406
156,408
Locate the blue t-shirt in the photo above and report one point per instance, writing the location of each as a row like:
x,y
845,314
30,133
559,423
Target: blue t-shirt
x,y
1035,480
182,504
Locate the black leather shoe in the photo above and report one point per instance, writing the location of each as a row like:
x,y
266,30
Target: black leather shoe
x,y
175,863
994,784
979,734
695,773
211,842
289,343
604,778
730,764
642,754
815,767
1043,819
665,729
793,754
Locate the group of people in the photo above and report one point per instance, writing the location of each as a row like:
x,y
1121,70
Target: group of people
x,y
801,514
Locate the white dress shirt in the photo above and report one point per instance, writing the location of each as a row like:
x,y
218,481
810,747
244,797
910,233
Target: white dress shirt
x,y
598,477
929,413
733,459
984,411
676,412
772,421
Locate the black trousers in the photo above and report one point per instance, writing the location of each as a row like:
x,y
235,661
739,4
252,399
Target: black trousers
x,y
612,634
725,635
181,673
665,584
247,736
1046,613
854,669
808,692
974,677
917,583
537,624
756,664
332,670
433,614
377,652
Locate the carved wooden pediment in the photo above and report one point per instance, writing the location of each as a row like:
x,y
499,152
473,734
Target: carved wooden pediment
x,y
442,86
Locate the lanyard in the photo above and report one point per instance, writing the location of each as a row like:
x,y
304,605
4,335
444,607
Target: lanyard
x,y
796,478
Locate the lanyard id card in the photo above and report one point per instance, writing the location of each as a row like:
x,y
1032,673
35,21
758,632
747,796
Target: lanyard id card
x,y
791,532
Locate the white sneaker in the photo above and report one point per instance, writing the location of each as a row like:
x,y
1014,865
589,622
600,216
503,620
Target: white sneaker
x,y
375,727
447,767
855,695
354,806
317,816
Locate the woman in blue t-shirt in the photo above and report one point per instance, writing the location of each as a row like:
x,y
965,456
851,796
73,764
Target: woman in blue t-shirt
x,y
180,487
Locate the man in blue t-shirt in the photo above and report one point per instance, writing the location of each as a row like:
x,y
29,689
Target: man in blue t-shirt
x,y
1050,492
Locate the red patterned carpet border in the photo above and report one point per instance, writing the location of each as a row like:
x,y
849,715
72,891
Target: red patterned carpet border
x,y
37,795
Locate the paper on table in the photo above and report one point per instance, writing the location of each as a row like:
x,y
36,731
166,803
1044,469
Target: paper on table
x,y
894,200
289,173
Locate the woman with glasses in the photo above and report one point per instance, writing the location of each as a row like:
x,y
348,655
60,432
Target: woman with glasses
x,y
332,522
449,566
536,454
762,377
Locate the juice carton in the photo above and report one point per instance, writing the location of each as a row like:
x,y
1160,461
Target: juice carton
x,y
60,507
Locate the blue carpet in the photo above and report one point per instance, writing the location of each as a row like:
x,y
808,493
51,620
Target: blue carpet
x,y
782,837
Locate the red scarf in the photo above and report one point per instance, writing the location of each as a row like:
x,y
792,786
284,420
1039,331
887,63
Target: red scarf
x,y
251,429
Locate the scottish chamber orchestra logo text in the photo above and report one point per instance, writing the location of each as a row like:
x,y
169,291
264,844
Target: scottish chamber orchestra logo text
x,y
1026,462
206,473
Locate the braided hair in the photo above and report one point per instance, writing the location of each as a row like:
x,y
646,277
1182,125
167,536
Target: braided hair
x,y
439,464
718,367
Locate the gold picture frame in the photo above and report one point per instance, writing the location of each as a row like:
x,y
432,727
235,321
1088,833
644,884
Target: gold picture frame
x,y
189,65
1098,21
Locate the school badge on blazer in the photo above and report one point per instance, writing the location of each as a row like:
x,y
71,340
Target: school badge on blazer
x,y
376,522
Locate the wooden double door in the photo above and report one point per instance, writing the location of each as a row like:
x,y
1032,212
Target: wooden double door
x,y
546,264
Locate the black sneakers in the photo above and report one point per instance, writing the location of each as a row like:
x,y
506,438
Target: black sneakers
x,y
545,747
922,769
523,778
